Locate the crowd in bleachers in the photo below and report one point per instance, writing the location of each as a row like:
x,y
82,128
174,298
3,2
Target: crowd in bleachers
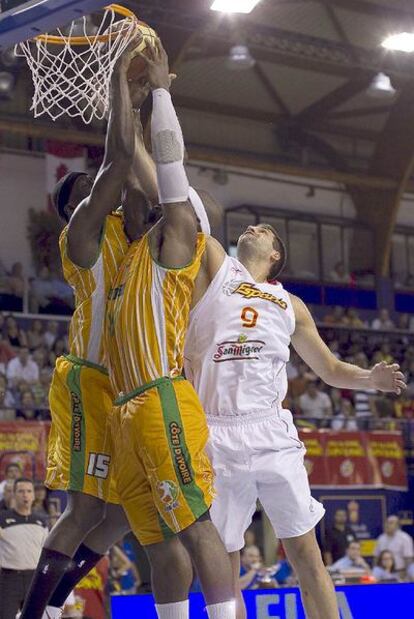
x,y
365,343
28,351
29,348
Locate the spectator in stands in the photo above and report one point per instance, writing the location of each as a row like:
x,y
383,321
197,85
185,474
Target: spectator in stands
x,y
364,400
314,403
59,347
403,322
16,281
251,565
385,570
345,419
13,472
41,357
22,535
40,503
340,274
51,334
7,412
15,336
351,561
335,317
396,541
27,410
41,291
352,319
338,538
35,334
40,390
6,353
7,501
22,368
297,386
383,322
123,574
404,406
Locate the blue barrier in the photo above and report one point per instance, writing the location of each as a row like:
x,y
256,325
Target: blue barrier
x,y
355,602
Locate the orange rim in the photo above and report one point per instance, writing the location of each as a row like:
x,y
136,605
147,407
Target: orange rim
x,y
102,38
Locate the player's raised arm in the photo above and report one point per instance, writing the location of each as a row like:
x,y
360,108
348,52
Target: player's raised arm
x,y
179,229
313,350
86,223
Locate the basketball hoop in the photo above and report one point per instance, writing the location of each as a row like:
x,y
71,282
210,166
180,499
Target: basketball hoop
x,y
71,73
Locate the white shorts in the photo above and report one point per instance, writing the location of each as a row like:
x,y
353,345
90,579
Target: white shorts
x,y
260,457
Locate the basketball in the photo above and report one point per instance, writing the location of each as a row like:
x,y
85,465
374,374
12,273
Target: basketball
x,y
150,37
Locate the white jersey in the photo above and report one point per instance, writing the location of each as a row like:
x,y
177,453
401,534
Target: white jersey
x,y
238,343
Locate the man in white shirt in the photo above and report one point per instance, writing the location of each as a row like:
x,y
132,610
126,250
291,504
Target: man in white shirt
x,y
351,561
383,322
314,403
23,368
396,541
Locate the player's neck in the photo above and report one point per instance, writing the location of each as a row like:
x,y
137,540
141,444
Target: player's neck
x,y
257,270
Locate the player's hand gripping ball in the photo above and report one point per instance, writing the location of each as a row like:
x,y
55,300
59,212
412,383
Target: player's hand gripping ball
x,y
145,38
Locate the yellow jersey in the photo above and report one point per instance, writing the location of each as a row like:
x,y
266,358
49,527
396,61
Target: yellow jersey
x,y
91,287
147,317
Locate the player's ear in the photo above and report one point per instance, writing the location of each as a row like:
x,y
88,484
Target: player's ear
x,y
275,256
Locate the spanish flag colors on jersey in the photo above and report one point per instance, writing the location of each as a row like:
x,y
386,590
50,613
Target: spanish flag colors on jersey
x,y
91,287
147,317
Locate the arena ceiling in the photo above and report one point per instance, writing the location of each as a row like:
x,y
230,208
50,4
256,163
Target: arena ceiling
x,y
305,104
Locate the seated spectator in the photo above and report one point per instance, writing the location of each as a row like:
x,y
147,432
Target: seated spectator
x,y
352,560
123,574
41,357
16,280
35,334
59,347
383,322
40,390
15,336
335,317
385,570
314,403
251,564
51,334
7,501
50,295
404,406
6,353
13,472
338,537
7,412
398,542
345,419
352,319
22,369
339,274
27,410
403,322
40,504
297,386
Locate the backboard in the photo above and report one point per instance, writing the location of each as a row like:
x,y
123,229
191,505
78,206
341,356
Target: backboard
x,y
22,20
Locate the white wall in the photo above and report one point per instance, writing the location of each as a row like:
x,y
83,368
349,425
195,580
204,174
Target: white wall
x,y
22,185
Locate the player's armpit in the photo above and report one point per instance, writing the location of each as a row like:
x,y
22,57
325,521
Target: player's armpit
x,y
179,235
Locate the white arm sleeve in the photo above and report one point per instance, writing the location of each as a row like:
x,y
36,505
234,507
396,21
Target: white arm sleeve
x,y
168,149
200,210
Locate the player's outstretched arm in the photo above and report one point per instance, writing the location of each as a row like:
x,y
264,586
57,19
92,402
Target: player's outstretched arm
x,y
179,228
309,345
86,224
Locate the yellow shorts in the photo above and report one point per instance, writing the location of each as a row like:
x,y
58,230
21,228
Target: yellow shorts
x,y
163,475
80,442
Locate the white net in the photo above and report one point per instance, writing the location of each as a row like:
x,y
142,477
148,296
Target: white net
x,y
74,79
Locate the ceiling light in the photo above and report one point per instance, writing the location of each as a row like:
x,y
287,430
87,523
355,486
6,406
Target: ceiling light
x,y
240,58
402,42
6,83
381,87
234,6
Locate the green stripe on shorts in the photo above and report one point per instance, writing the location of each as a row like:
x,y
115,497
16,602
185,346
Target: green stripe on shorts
x,y
78,435
167,533
179,450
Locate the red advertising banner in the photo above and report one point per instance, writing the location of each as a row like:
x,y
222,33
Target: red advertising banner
x,y
24,443
355,459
